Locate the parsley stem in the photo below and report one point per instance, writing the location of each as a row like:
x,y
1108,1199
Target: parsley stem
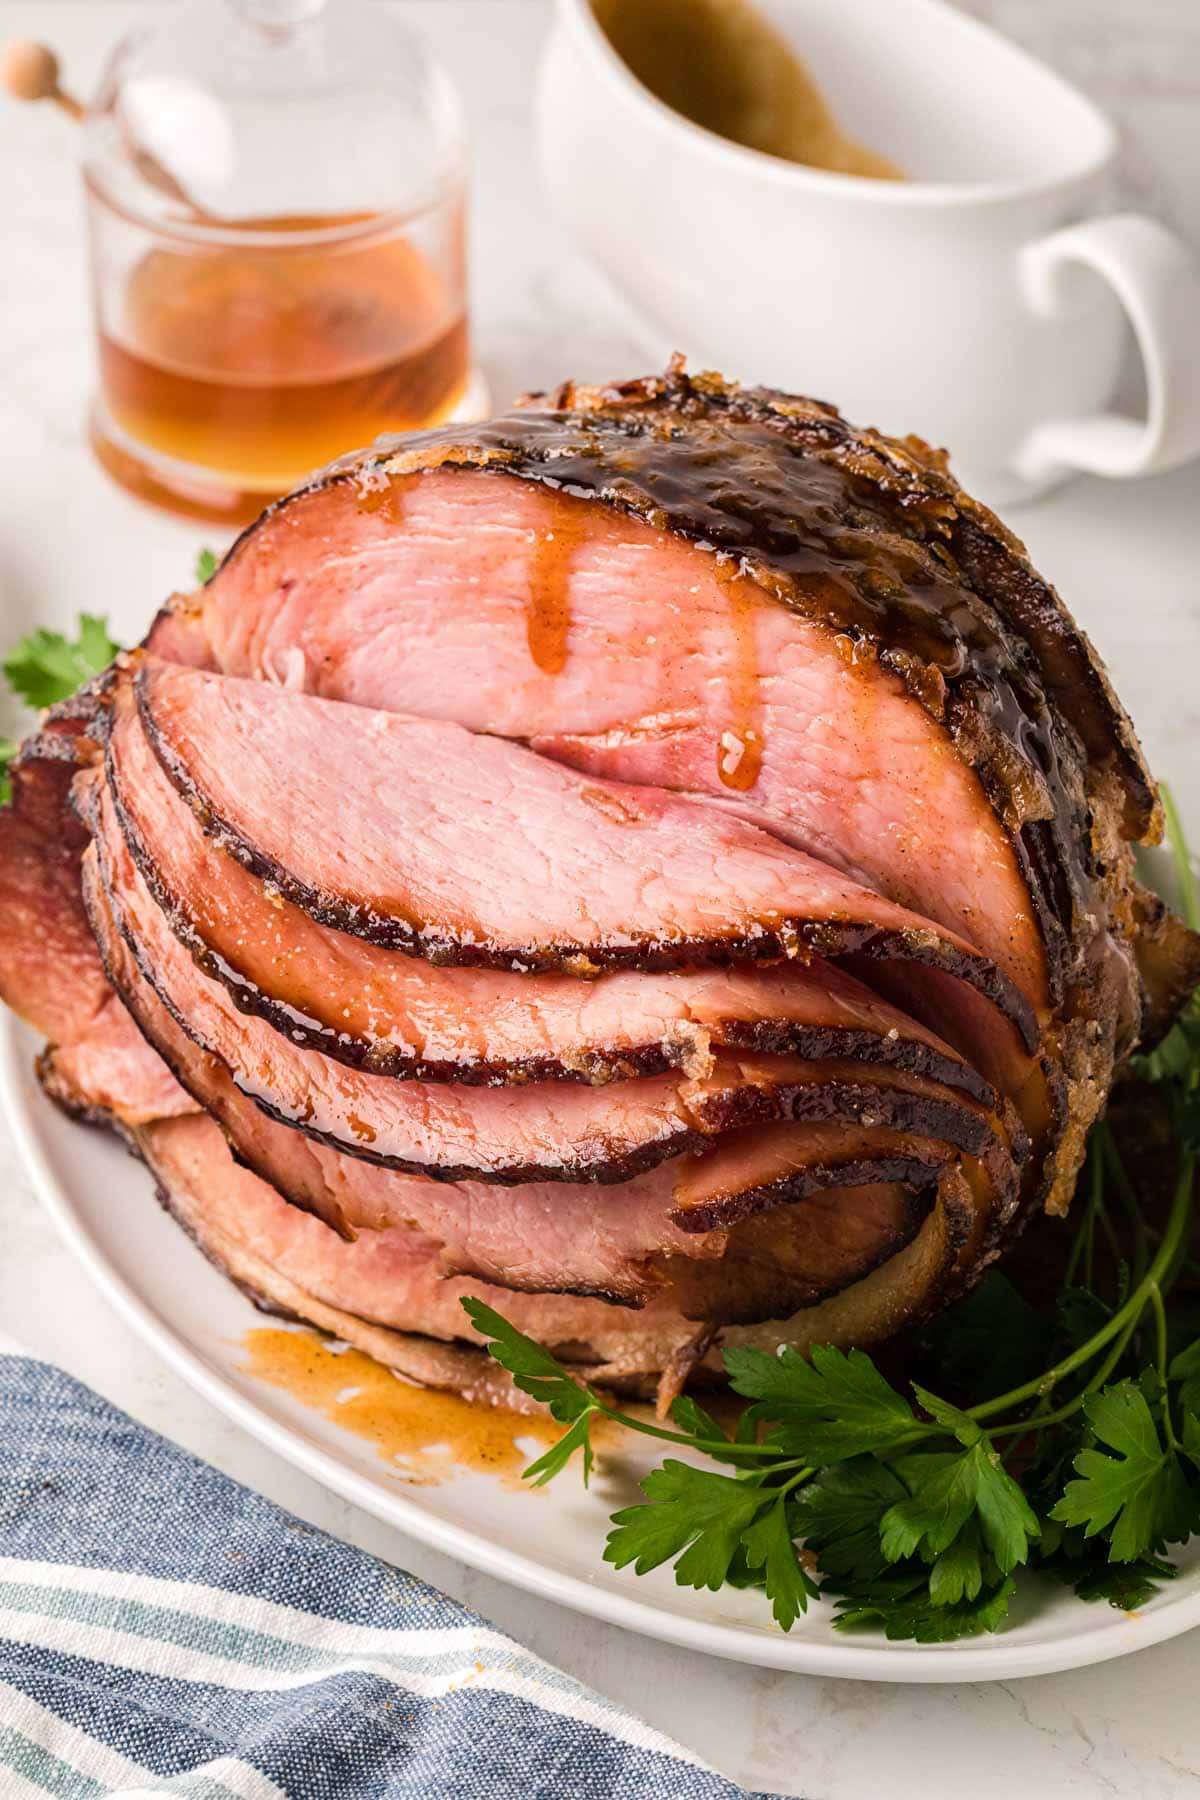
x,y
1160,1361
1115,1167
711,1446
1040,1421
1189,897
1163,1262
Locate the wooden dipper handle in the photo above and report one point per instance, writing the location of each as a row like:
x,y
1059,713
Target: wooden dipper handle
x,y
30,72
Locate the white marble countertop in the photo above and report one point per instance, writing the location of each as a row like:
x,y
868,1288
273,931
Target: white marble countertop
x,y
1125,556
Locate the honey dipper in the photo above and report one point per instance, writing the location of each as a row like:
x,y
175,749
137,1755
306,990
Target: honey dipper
x,y
30,72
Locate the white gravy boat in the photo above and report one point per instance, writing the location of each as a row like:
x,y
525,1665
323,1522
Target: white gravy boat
x,y
979,304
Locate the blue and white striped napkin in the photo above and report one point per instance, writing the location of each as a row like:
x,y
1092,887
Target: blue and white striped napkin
x,y
164,1631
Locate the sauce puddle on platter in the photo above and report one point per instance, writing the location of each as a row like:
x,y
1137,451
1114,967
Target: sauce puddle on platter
x,y
422,1433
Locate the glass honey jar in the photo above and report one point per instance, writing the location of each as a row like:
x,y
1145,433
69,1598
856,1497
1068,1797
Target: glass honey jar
x,y
275,200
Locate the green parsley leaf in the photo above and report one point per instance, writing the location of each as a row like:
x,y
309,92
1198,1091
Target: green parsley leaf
x,y
691,1417
768,1546
741,1575
1139,1497
559,1455
958,1572
958,1424
944,1492
536,1373
1083,1565
940,1500
692,1514
46,666
8,749
1125,1585
834,1407
207,564
927,1623
838,1516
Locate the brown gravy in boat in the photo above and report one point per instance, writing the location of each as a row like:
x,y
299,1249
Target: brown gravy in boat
x,y
721,65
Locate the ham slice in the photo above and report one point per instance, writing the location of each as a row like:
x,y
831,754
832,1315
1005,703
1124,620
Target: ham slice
x,y
50,971
403,1016
390,1284
108,1072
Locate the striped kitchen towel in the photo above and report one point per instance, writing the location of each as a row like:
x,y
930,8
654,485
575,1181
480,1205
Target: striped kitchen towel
x,y
164,1631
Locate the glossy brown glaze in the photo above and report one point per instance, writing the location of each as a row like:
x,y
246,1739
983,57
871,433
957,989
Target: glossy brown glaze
x,y
549,607
740,747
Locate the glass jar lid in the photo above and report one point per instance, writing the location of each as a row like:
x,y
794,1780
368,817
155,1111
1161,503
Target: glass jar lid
x,y
236,113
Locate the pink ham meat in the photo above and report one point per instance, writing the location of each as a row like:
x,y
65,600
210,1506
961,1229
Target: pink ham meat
x,y
620,1242
403,1016
534,1132
50,972
381,1291
109,1072
581,874
428,604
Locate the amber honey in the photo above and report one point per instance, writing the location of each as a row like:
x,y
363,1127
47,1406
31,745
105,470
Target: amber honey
x,y
229,372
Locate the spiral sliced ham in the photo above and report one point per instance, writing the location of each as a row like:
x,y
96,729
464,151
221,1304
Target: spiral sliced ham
x,y
661,860
872,670
50,972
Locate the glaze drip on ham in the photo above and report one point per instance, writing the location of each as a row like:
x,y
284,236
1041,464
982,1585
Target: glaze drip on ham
x,y
660,860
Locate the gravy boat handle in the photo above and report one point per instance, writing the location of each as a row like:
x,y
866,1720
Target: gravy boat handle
x,y
1155,277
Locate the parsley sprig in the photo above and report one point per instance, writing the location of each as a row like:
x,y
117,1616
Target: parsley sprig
x,y
48,666
913,1514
